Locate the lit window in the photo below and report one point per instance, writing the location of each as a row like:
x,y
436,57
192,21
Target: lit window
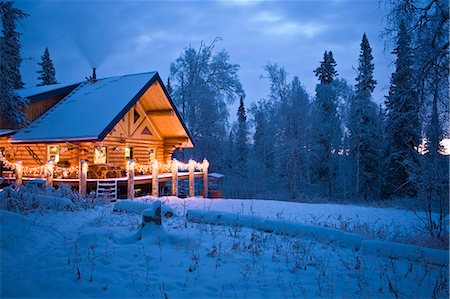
x,y
128,153
53,153
100,154
151,154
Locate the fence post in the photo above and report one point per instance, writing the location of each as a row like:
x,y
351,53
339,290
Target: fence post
x,y
82,188
155,181
130,176
191,167
48,173
19,172
174,168
205,166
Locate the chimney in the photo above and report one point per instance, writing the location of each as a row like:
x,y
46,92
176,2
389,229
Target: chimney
x,y
92,78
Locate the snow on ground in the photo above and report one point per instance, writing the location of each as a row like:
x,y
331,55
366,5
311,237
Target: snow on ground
x,y
100,253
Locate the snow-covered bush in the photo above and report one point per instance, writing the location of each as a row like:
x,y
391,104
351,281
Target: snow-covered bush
x,y
32,196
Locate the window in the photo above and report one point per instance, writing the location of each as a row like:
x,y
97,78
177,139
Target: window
x,y
151,154
53,153
100,154
136,116
128,153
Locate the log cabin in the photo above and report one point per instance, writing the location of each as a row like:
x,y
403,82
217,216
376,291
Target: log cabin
x,y
104,123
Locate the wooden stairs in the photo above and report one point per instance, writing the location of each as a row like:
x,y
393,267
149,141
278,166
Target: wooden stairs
x,y
107,189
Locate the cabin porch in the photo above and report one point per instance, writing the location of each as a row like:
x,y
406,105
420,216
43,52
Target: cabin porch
x,y
109,180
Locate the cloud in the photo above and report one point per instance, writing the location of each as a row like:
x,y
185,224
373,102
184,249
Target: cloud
x,y
272,23
266,17
307,29
240,2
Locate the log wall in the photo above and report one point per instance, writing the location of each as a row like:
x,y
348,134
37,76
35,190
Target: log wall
x,y
71,153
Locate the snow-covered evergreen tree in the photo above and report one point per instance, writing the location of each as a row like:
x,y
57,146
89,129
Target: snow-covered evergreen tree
x,y
169,87
47,73
402,124
11,39
241,138
10,79
363,127
326,72
326,132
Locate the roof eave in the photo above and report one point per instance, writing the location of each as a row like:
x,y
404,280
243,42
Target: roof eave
x,y
135,99
52,93
56,140
191,140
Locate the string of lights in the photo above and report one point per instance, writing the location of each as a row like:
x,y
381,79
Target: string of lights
x,y
73,171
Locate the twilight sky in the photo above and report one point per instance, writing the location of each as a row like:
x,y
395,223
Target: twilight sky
x,y
124,37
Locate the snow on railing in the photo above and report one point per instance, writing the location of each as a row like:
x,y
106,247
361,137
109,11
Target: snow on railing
x,y
168,167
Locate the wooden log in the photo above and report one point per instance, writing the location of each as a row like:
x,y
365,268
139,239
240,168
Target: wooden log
x,y
174,169
19,172
205,166
130,176
155,181
48,173
82,188
191,167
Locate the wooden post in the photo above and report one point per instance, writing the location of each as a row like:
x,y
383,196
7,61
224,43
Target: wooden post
x,y
174,168
130,176
48,173
1,163
205,166
191,167
82,188
155,181
19,172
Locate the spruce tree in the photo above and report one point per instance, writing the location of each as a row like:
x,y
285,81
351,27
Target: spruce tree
x,y
10,17
47,73
241,135
402,127
169,87
326,72
11,105
326,126
363,127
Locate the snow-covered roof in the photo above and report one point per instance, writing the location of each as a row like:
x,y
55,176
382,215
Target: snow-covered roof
x,y
37,91
90,111
216,175
4,132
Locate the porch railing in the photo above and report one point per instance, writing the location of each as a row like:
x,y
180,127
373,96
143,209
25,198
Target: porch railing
x,y
153,171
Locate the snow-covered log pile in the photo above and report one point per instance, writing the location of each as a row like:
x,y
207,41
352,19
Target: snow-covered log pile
x,y
322,234
138,207
404,251
326,235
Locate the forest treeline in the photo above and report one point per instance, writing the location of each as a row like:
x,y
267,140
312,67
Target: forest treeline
x,y
336,143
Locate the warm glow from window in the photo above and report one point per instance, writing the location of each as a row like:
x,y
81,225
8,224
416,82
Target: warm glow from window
x,y
128,153
53,153
151,154
100,154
